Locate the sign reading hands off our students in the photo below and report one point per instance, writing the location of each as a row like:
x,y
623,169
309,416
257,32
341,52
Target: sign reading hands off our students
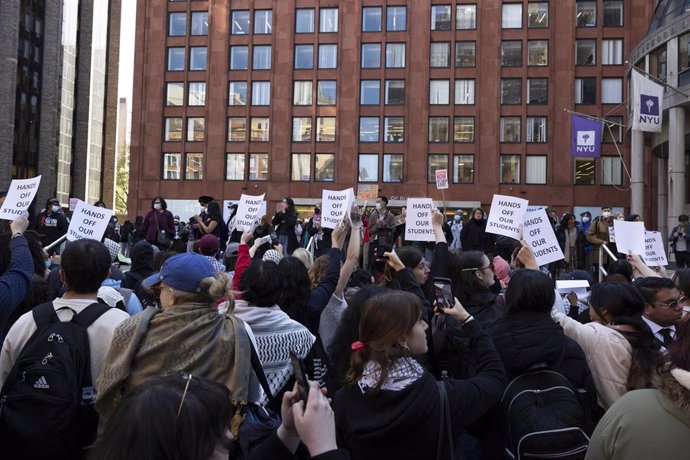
x,y
418,220
247,210
629,237
506,216
539,234
335,206
88,222
654,253
19,197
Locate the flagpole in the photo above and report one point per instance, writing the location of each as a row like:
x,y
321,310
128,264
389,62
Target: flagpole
x,y
658,80
592,117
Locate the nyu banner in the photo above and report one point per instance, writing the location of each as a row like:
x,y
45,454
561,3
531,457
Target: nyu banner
x,y
586,137
646,96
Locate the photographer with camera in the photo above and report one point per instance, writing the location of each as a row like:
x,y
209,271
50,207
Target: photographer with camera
x,y
381,226
680,242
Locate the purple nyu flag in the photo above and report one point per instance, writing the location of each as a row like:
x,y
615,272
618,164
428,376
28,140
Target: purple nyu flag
x,y
586,137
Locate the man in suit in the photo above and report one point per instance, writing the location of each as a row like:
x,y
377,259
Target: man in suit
x,y
663,307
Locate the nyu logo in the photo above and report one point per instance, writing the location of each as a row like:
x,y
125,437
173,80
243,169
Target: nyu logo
x,y
585,141
649,105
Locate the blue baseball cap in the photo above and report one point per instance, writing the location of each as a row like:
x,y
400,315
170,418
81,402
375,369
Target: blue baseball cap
x,y
183,272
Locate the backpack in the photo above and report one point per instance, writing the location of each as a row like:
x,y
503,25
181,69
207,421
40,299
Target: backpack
x,y
541,417
46,403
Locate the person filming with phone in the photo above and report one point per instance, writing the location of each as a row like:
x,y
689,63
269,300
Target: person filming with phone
x,y
680,242
381,226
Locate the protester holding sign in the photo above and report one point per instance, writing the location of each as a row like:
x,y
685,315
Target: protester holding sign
x,y
52,223
284,221
15,279
159,224
473,236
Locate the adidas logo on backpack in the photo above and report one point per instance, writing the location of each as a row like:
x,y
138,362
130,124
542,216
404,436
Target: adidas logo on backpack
x,y
42,384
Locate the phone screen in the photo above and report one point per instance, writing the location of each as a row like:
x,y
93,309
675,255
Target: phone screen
x,y
443,293
300,376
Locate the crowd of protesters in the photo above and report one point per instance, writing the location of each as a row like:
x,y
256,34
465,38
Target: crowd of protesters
x,y
291,340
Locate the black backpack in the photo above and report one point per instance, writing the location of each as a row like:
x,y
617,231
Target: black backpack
x,y
46,403
541,417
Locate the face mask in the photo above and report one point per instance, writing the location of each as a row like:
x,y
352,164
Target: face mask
x,y
317,211
606,214
620,218
585,219
55,208
157,206
457,218
378,206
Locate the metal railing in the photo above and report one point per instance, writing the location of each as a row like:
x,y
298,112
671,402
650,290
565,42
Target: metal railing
x,y
602,270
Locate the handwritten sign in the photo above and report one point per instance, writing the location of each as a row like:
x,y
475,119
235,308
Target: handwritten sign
x,y
506,216
19,197
73,203
418,220
88,222
541,238
247,210
441,179
629,237
335,206
654,253
367,192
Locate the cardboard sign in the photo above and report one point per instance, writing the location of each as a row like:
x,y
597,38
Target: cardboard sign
x,y
541,238
506,216
88,222
367,192
629,237
654,253
335,206
73,203
247,210
441,179
19,197
612,234
418,220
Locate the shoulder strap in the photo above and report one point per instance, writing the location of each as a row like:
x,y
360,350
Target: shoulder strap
x,y
444,428
259,370
90,314
44,314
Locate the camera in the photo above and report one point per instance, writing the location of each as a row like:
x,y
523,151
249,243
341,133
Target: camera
x,y
384,243
274,239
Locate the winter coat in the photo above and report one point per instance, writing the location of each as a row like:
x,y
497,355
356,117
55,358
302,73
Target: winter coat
x,y
598,234
473,237
284,223
672,239
156,220
52,225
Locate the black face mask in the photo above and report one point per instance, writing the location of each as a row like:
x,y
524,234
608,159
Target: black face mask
x,y
317,211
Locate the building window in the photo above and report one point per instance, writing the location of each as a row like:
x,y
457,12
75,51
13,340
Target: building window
x,y
239,57
324,167
261,93
175,59
535,169
371,55
234,166
177,24
394,129
394,92
511,53
465,17
304,56
174,94
328,20
328,56
195,166
396,18
439,54
369,92
538,52
368,168
173,129
509,169
368,129
434,163
301,167
195,129
585,90
237,93
585,52
510,129
237,129
172,167
465,54
326,92
611,171
371,19
463,169
584,171
511,17
261,59
658,60
395,55
263,20
304,20
197,58
611,90
612,52
537,91
438,130
440,17
392,168
301,94
463,131
199,23
511,91
537,15
439,92
197,93
325,129
301,129
464,92
586,13
683,59
260,129
536,129
613,12
240,22
258,166
615,134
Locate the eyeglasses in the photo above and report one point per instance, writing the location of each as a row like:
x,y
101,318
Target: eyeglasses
x,y
490,266
672,303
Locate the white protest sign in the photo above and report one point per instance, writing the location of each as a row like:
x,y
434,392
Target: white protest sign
x,y
654,253
19,197
506,216
335,206
73,203
247,210
629,237
441,179
576,286
541,238
88,222
418,220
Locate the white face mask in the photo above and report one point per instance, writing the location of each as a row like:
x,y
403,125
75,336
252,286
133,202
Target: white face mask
x,y
606,214
378,206
585,219
457,218
55,208
157,206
